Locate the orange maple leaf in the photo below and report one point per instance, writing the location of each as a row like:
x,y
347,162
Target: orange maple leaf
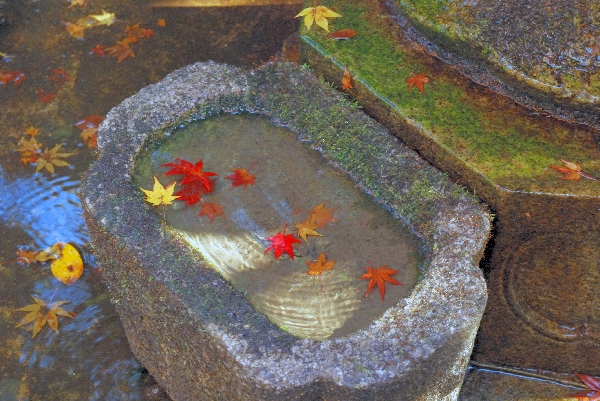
x,y
321,215
14,76
240,177
346,80
120,50
379,276
418,81
211,210
571,171
317,267
342,34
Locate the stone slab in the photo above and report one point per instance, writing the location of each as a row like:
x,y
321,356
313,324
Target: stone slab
x,y
199,337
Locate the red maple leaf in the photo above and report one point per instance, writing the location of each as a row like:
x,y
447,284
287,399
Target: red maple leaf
x,y
91,121
192,192
419,81
14,76
99,50
191,173
240,177
379,276
211,210
281,243
58,75
593,394
45,97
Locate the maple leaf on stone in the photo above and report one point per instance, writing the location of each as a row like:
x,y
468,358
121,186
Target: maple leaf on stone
x,y
321,215
192,173
317,267
307,227
105,18
417,81
41,313
211,210
571,171
593,394
121,50
379,276
282,243
318,14
50,158
240,177
160,195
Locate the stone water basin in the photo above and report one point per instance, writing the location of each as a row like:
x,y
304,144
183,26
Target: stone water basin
x,y
212,316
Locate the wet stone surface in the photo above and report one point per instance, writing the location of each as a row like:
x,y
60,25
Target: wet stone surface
x,y
203,339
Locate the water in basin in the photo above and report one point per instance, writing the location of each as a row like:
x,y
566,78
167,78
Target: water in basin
x,y
291,179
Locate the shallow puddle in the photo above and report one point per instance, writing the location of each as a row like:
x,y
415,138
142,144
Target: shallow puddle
x,y
291,180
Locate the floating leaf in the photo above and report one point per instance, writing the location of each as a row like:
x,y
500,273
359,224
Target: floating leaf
x,y
121,50
51,253
240,177
593,394
50,158
320,215
211,210
15,77
379,276
307,228
68,267
282,243
105,18
191,173
40,313
32,131
317,267
159,194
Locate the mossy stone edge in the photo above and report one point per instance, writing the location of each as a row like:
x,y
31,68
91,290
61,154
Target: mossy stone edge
x,y
199,337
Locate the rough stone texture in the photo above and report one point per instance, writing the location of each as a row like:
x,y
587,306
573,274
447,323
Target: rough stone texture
x,y
544,54
199,337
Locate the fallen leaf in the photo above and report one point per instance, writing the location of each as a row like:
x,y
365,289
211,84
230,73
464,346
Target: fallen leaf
x,y
45,97
32,131
346,80
240,177
379,276
51,253
89,136
318,14
30,150
572,171
91,121
26,257
74,30
191,173
40,313
317,267
307,228
120,50
15,77
192,192
68,267
418,81
320,215
342,34
159,194
76,3
161,22
211,210
58,75
105,18
99,50
50,158
593,394
282,243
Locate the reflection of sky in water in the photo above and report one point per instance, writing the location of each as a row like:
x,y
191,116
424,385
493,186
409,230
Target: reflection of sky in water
x,y
48,210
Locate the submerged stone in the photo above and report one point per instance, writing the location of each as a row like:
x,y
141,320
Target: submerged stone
x,y
196,329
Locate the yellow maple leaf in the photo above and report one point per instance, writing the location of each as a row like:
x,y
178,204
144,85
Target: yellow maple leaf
x,y
40,313
105,18
307,228
317,267
50,158
74,30
318,14
32,131
76,3
159,194
50,253
68,267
